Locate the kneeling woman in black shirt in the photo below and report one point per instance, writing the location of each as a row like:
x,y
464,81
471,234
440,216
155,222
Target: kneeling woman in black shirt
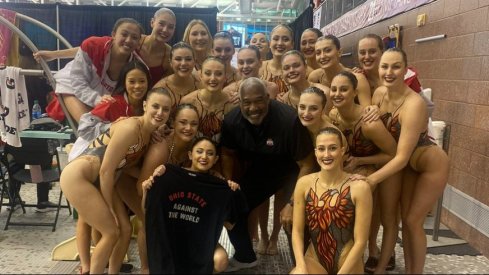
x,y
185,211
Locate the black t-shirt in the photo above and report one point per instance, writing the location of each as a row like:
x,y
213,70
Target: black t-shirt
x,y
185,213
272,148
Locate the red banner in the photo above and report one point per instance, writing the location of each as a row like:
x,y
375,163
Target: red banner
x,y
369,13
5,35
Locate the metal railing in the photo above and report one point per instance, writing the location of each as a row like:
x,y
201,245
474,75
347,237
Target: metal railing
x,y
44,65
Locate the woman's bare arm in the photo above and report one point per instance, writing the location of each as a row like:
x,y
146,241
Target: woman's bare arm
x,y
362,198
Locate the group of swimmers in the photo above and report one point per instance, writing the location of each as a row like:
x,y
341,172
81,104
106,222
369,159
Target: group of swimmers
x,y
141,103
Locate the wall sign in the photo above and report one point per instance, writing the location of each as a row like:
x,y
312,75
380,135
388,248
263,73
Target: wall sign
x,y
369,13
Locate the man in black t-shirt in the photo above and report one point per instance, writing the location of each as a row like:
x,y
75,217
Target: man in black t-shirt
x,y
185,213
277,150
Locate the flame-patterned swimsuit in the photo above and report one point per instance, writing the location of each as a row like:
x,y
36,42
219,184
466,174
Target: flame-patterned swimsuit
x,y
134,152
283,87
391,122
176,97
358,144
233,78
331,221
287,100
211,121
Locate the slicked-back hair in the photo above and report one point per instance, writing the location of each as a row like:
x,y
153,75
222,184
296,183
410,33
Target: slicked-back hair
x,y
331,37
333,131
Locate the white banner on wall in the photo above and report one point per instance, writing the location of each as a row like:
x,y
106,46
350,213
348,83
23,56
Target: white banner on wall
x,y
316,19
369,13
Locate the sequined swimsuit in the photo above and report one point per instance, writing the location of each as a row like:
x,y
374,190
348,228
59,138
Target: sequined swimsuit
x,y
391,122
323,81
99,145
234,77
283,87
177,97
287,100
358,144
331,223
211,121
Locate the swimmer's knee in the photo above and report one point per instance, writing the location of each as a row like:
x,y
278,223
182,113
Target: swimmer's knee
x,y
221,260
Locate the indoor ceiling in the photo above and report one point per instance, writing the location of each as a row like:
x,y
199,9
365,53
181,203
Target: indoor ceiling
x,y
229,10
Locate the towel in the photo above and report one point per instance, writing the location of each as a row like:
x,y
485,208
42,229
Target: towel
x,y
15,105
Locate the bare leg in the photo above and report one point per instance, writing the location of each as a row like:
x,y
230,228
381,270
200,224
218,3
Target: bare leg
x,y
143,255
312,262
279,203
75,107
122,245
407,189
126,188
253,225
76,183
83,244
389,194
427,189
220,259
262,212
95,236
373,249
130,191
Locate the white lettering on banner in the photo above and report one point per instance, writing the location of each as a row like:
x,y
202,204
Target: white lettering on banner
x,y
316,19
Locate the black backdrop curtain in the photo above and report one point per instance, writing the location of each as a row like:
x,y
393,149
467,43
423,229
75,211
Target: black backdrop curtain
x,y
301,23
77,23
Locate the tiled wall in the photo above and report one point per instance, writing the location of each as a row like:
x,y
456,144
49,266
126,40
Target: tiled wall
x,y
457,70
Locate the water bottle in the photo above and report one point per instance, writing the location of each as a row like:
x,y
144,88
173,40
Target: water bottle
x,y
36,110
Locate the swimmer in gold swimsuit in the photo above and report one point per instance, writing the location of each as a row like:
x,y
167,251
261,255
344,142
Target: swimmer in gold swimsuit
x,y
424,165
182,81
335,209
117,149
282,41
211,102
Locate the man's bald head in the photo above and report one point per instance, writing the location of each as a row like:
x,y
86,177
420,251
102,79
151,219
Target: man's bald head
x,y
252,84
254,100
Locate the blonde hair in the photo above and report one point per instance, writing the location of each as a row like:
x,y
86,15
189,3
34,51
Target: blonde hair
x,y
186,34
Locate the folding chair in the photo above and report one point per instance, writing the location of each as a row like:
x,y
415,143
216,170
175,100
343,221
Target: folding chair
x,y
33,152
3,181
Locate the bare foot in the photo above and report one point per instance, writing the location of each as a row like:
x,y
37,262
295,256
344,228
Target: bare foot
x,y
84,271
272,248
262,246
